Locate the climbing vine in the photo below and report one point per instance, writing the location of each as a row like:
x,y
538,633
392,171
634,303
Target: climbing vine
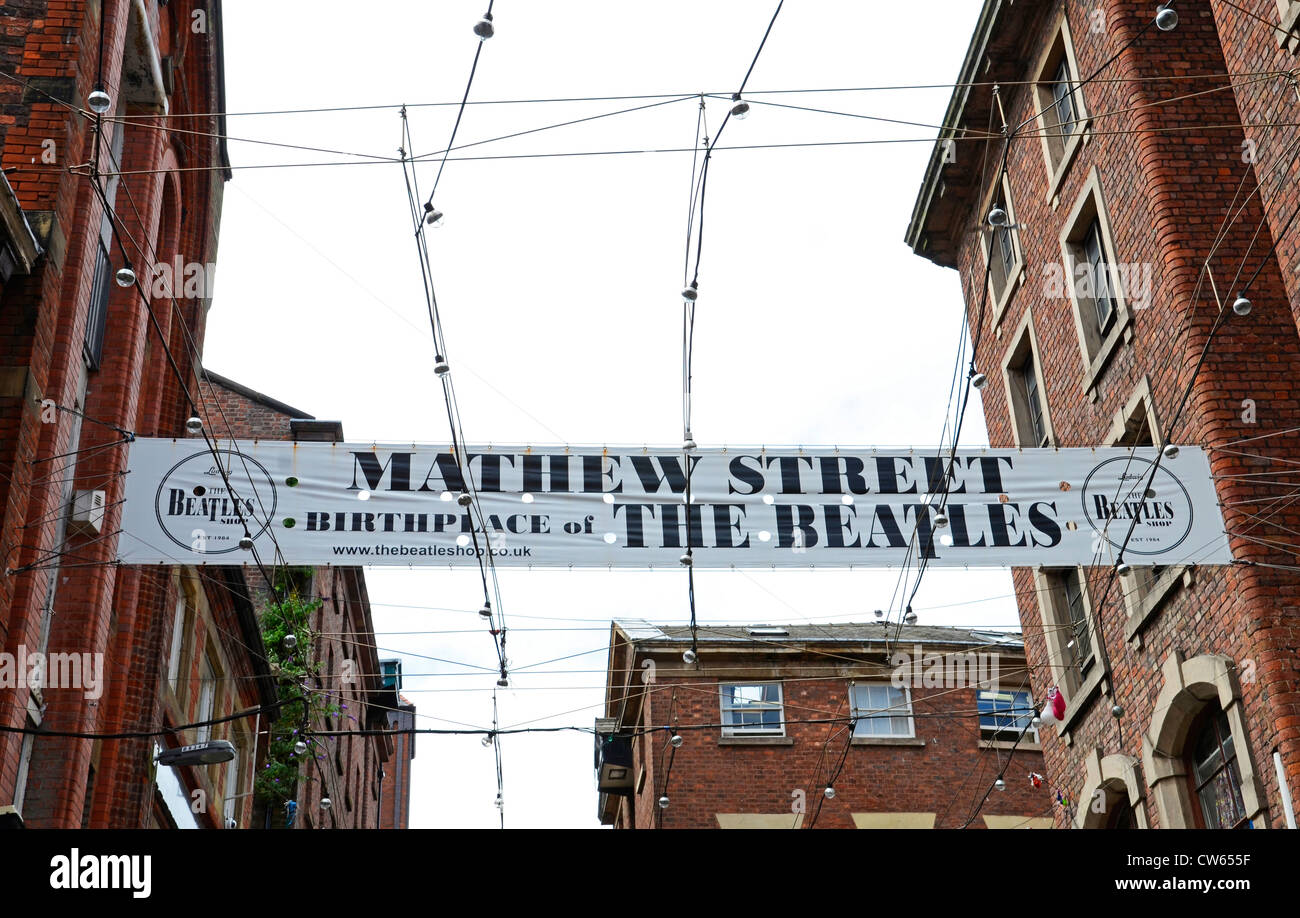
x,y
287,635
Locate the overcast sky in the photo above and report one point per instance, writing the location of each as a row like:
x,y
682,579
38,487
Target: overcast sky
x,y
559,283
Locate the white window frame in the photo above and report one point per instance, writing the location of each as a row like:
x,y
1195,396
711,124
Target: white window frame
x,y
179,629
862,715
1096,346
735,729
1059,151
207,702
1000,295
990,734
1024,347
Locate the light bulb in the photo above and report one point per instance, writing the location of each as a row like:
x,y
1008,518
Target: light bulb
x,y
486,611
1116,711
1241,306
1170,451
464,499
1000,784
686,558
689,657
246,543
483,28
880,614
997,216
326,803
194,425
978,380
910,617
440,365
940,520
689,443
739,107
499,802
487,741
676,741
433,217
1035,721
504,681
299,747
290,641
1123,568
99,101
1166,18
829,792
690,293
1149,494
663,803
125,277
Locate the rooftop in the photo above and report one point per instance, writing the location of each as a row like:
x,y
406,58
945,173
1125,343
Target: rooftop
x,y
642,631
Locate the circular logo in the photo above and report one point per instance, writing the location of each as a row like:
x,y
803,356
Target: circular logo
x,y
200,513
1115,496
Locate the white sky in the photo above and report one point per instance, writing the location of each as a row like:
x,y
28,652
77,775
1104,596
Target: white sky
x,y
558,280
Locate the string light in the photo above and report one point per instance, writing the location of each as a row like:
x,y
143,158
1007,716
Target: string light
x,y
300,748
99,101
686,559
690,293
940,520
1170,451
663,802
464,499
910,617
978,380
689,656
829,792
1123,568
486,611
1241,306
432,216
689,443
326,803
290,641
1166,18
1000,784
997,217
440,366
246,543
125,276
676,741
739,107
194,425
484,28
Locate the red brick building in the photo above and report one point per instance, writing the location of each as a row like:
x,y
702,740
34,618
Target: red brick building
x,y
114,159
1144,191
348,770
395,793
908,729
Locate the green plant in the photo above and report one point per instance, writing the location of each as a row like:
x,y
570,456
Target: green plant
x,y
291,661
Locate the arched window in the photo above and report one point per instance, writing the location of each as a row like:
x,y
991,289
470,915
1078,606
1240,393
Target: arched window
x,y
1214,772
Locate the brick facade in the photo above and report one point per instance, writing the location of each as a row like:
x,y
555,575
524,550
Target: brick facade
x,y
1164,145
721,778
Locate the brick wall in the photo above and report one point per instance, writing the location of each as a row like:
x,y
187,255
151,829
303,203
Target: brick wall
x,y
1170,168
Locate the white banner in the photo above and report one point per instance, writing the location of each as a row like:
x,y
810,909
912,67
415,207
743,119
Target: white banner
x,y
366,504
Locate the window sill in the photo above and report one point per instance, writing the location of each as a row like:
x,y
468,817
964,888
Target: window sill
x,y
1286,33
1083,699
1023,745
1121,331
886,741
1144,608
756,741
1001,302
1058,170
